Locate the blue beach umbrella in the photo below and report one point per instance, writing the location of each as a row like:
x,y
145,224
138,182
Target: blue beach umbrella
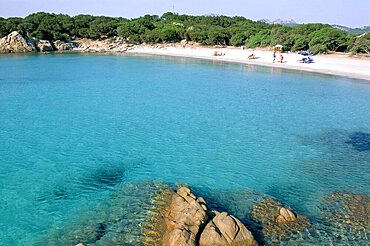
x,y
304,53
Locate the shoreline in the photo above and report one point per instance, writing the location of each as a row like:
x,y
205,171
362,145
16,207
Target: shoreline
x,y
333,64
341,65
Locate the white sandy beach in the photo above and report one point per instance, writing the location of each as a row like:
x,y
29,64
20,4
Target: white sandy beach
x,y
334,64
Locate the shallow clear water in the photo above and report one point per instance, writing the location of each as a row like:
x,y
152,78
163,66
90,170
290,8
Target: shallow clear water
x,y
75,127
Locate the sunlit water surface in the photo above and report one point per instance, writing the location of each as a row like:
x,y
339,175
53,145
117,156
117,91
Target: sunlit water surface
x,y
75,128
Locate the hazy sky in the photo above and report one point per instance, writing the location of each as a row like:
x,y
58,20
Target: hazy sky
x,y
353,13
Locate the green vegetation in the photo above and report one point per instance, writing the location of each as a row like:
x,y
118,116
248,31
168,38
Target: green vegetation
x,y
208,30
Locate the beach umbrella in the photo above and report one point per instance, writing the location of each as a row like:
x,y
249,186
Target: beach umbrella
x,y
278,47
304,53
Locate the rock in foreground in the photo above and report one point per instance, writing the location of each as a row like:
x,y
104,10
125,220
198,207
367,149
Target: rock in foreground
x,y
188,222
184,218
225,229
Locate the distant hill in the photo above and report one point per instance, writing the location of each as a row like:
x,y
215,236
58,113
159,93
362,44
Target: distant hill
x,y
288,22
360,30
283,22
291,22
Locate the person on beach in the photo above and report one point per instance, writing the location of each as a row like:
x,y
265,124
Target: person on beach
x,y
281,58
274,56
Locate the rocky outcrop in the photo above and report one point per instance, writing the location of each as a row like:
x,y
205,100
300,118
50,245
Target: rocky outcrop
x,y
276,220
15,43
107,45
44,45
225,229
61,45
186,221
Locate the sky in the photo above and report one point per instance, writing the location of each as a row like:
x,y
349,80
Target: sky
x,y
353,13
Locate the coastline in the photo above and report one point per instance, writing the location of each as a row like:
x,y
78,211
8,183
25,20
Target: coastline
x,y
338,64
332,64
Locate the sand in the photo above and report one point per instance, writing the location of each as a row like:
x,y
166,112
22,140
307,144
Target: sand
x,y
334,64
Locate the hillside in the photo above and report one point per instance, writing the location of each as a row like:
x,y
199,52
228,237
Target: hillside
x,y
356,31
207,30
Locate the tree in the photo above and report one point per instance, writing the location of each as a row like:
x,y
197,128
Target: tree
x,y
103,27
261,39
300,43
360,44
218,36
3,30
170,27
171,32
197,33
330,38
238,39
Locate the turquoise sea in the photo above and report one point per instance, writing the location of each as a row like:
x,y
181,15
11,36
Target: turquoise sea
x,y
75,129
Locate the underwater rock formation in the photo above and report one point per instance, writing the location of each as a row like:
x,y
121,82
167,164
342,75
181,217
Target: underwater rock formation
x,y
360,141
153,214
118,220
155,226
104,177
276,220
346,217
348,210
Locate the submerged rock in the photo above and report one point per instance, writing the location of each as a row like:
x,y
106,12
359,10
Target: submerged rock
x,y
116,221
348,210
360,141
276,220
346,218
15,43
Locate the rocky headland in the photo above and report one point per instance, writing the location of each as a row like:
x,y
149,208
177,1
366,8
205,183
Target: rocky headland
x,y
16,43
